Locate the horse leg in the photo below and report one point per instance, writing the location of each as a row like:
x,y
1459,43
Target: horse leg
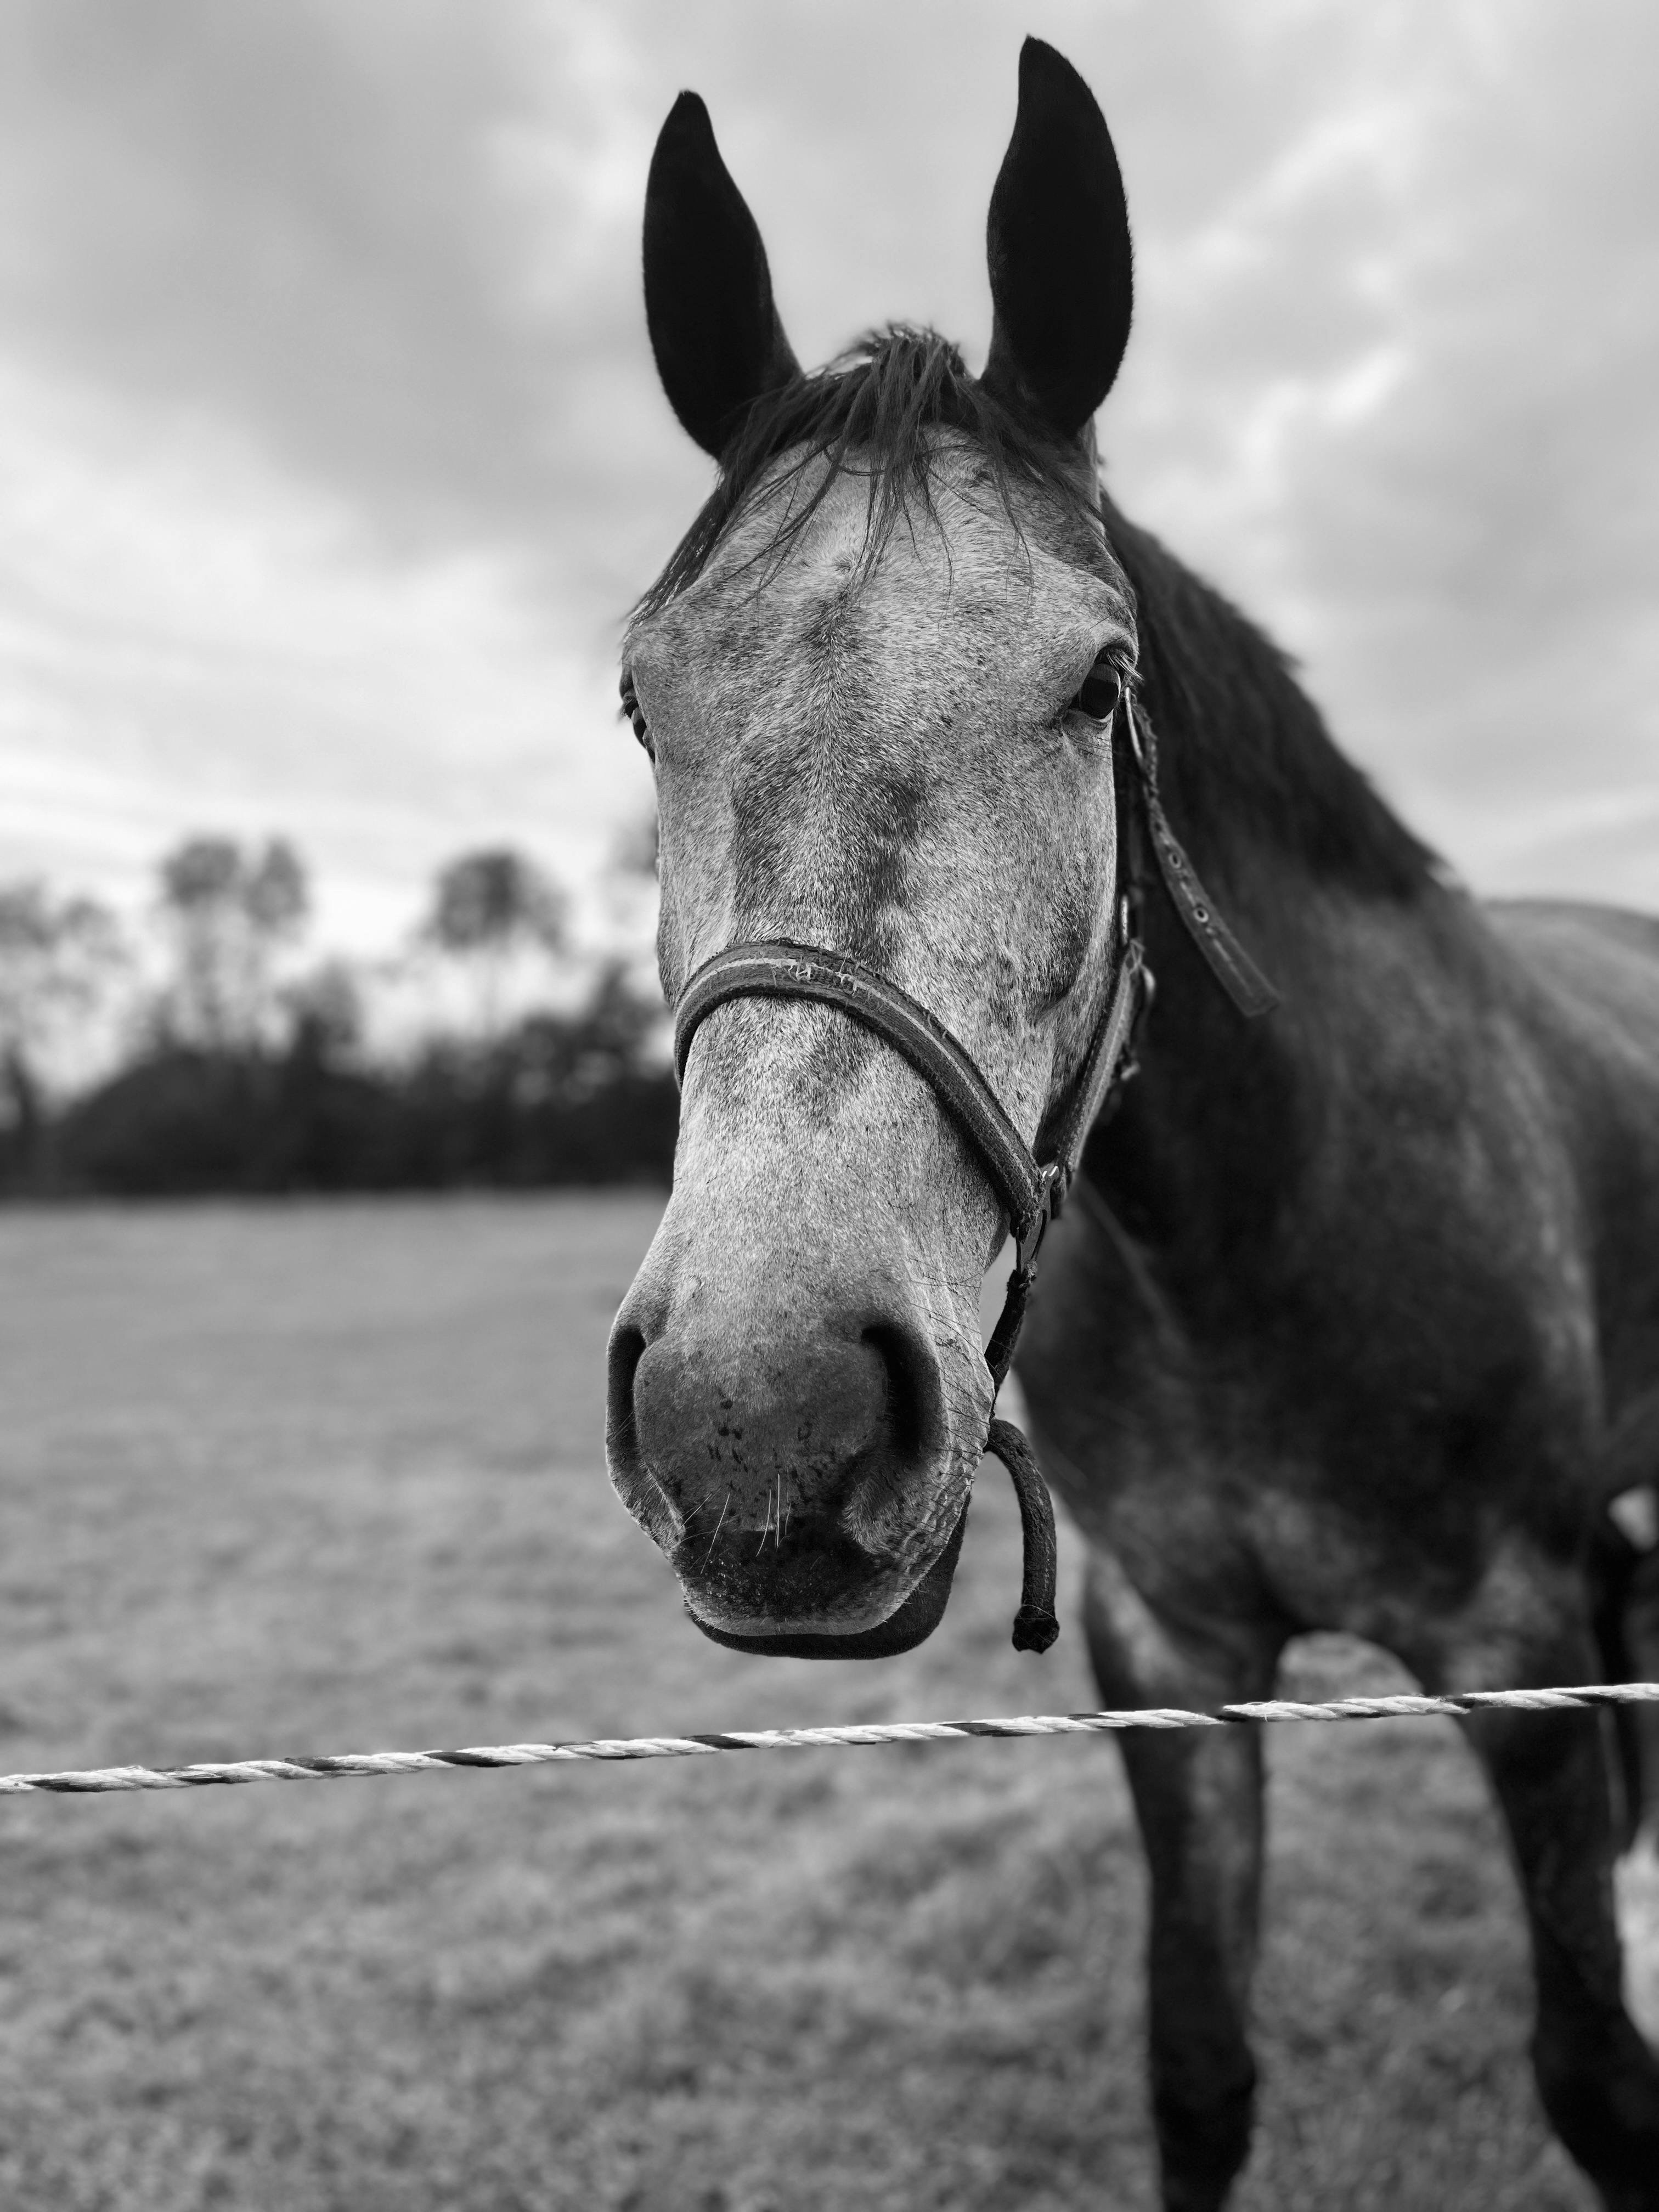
x,y
1198,1798
1625,1619
1637,1877
1641,1643
1599,2082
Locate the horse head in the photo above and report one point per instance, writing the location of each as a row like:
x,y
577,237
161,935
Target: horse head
x,y
878,683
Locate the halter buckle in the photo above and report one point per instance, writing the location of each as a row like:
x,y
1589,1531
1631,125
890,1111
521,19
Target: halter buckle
x,y
1053,1197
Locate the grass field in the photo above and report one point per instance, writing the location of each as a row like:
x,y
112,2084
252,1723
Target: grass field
x,y
330,1478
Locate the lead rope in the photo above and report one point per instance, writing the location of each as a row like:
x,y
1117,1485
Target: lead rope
x,y
1036,1624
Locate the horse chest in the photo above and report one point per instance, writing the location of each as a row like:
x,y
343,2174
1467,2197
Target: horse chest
x,y
1341,1442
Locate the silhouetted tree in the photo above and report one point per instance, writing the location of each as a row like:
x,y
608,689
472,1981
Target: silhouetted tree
x,y
325,1008
254,1081
58,958
228,910
487,909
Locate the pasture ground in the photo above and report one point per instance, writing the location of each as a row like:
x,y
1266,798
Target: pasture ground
x,y
329,1478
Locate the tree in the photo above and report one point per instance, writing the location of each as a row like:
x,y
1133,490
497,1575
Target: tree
x,y
58,958
229,911
488,909
327,1010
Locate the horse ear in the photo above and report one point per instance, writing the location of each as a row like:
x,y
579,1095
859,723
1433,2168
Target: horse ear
x,y
1058,243
713,328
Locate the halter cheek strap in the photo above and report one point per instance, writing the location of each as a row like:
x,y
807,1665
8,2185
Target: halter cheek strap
x,y
1225,957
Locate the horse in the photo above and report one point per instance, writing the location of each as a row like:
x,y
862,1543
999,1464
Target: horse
x,y
1353,1321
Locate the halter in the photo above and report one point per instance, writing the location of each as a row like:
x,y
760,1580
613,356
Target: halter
x,y
1033,1192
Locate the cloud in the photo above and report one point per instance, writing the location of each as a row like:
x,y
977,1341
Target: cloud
x,y
1410,418
260,212
189,639
333,453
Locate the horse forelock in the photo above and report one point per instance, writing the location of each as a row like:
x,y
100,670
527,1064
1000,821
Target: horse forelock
x,y
874,412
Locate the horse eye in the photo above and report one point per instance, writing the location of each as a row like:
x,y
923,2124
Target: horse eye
x,y
1103,687
631,708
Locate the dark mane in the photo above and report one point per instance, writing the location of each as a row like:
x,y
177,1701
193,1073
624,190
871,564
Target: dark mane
x,y
868,412
1244,747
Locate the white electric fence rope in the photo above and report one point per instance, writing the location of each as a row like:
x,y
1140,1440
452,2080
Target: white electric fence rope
x,y
349,1764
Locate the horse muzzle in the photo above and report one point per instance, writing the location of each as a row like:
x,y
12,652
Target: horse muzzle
x,y
795,1520
804,1476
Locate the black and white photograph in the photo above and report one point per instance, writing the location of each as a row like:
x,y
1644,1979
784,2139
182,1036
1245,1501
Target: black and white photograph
x,y
828,957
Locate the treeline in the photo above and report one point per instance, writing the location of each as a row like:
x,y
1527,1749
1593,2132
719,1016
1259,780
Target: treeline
x,y
221,1065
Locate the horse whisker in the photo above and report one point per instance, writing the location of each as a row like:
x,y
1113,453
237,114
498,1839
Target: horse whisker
x,y
719,1525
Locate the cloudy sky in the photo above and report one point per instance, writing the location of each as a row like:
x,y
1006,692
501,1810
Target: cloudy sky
x,y
330,453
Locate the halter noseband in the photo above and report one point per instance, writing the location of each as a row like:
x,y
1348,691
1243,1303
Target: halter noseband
x,y
1032,1192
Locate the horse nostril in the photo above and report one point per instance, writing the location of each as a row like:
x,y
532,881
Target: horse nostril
x,y
627,1350
911,1390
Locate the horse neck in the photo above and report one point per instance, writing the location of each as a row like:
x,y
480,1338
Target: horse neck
x,y
1322,883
